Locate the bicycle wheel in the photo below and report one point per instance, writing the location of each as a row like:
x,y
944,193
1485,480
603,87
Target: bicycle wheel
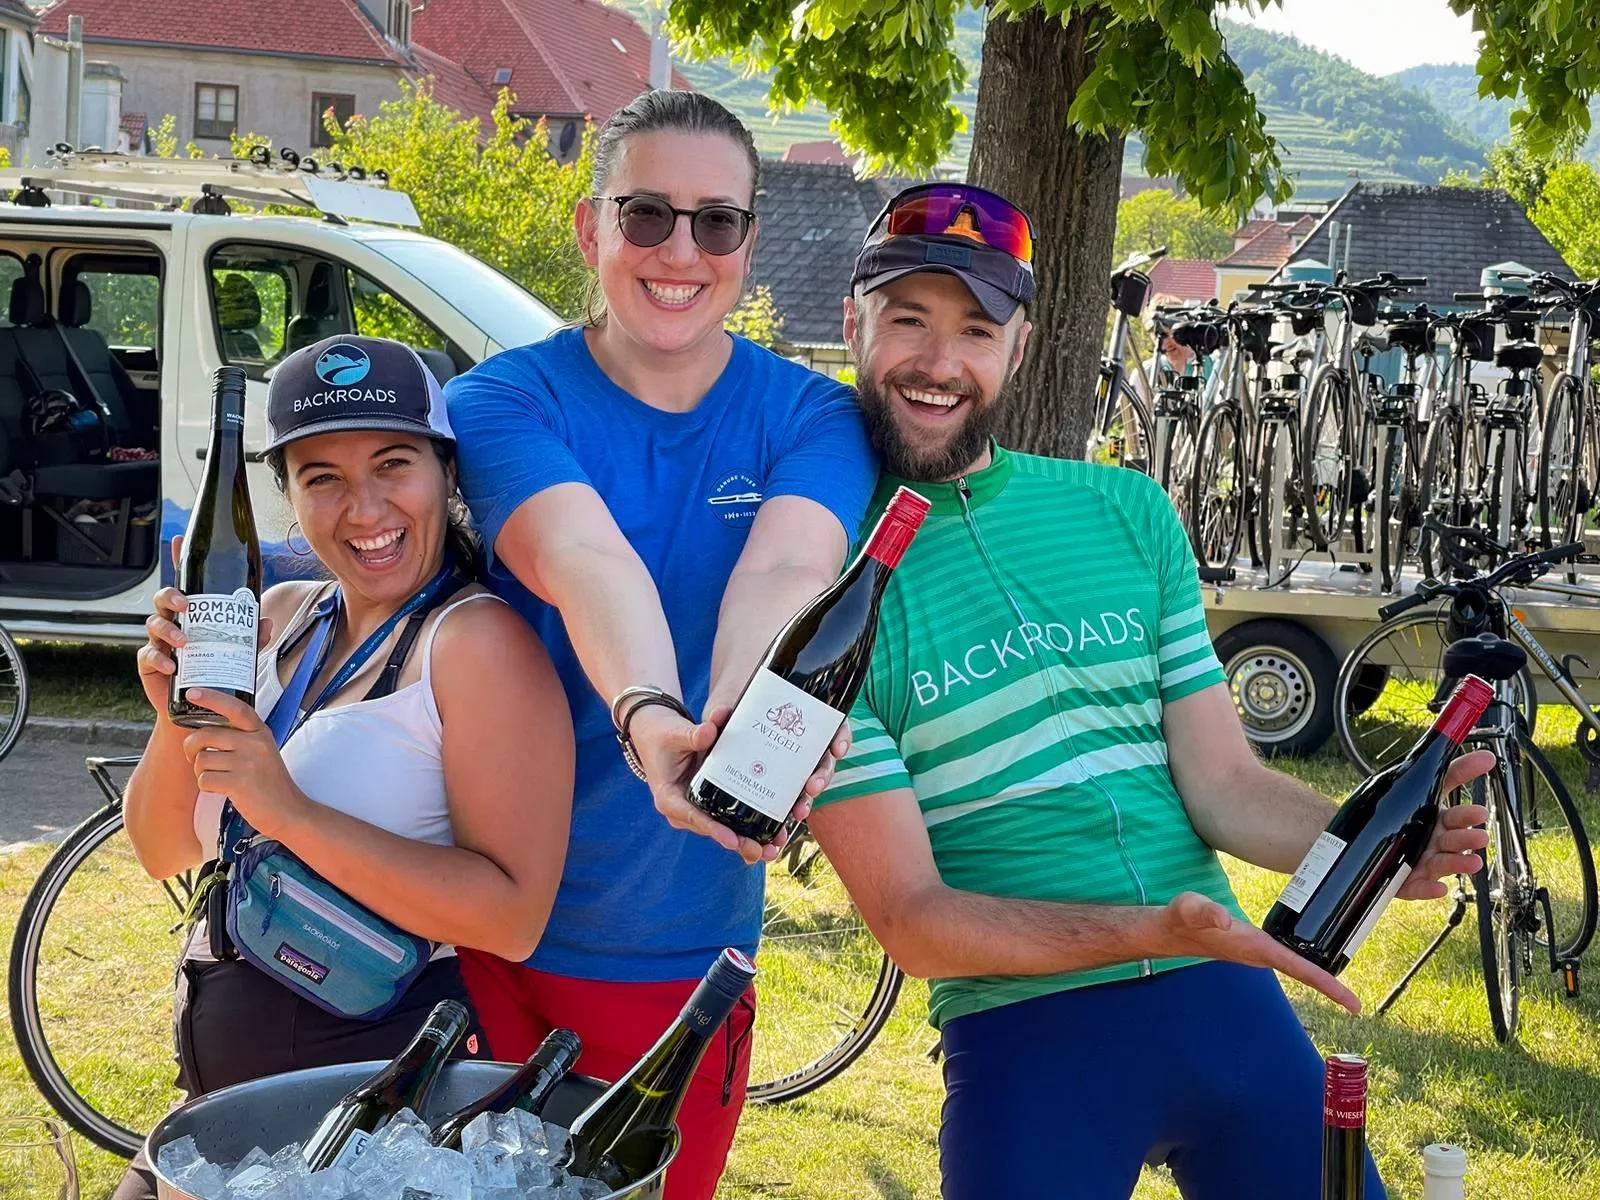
x,y
1385,696
1217,488
90,986
1440,486
1567,464
1268,515
1325,461
1498,889
1123,435
1388,499
1558,853
13,693
828,986
1177,465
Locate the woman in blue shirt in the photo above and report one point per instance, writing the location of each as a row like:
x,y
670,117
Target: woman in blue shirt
x,y
659,496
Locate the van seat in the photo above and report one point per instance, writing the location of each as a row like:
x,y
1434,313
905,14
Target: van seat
x,y
107,375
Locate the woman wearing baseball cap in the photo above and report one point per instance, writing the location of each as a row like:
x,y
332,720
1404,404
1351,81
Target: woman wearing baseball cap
x,y
390,783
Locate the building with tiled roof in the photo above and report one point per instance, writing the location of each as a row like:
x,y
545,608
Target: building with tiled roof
x,y
813,217
254,66
828,151
1259,258
1448,234
1186,279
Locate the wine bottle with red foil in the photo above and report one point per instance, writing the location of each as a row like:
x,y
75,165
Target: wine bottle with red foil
x,y
1377,837
799,695
1344,1128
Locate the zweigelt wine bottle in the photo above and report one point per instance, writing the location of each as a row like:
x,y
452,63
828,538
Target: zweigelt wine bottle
x,y
621,1137
219,571
1344,1128
344,1132
803,687
528,1088
1378,835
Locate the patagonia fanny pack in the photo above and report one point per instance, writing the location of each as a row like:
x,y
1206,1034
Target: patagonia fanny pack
x,y
279,914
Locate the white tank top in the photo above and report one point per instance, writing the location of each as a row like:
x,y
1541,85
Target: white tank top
x,y
379,761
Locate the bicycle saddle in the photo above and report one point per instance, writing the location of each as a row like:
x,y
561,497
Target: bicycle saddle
x,y
1486,656
1201,337
1410,334
1520,356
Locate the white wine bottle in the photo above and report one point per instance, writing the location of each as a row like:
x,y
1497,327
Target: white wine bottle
x,y
343,1133
621,1138
804,686
219,571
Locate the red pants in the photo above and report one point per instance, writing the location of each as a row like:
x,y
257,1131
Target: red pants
x,y
517,1006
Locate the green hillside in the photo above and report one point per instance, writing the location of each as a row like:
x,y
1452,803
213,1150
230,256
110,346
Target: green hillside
x,y
1330,119
1453,88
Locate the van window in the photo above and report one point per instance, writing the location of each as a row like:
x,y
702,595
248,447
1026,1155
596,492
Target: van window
x,y
124,306
380,313
250,303
10,272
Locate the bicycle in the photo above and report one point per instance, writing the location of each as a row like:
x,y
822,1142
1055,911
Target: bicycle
x,y
1569,453
13,693
1537,886
1394,423
1221,488
1122,422
83,984
1177,407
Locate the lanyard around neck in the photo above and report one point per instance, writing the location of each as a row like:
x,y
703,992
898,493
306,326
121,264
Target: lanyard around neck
x,y
287,715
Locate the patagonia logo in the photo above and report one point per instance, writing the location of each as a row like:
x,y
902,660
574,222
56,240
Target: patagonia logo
x,y
950,256
300,964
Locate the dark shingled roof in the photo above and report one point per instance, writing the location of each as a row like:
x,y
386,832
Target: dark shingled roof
x,y
813,217
1448,234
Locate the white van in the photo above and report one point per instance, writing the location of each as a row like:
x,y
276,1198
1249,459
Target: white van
x,y
128,312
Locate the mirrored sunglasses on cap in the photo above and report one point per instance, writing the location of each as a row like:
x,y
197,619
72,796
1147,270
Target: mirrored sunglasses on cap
x,y
958,210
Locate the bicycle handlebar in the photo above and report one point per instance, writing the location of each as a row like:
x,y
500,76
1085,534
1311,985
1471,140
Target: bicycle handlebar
x,y
1518,565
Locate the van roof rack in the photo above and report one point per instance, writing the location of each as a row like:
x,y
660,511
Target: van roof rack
x,y
333,190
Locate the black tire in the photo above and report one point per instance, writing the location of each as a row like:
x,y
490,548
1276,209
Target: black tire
x,y
13,693
1494,886
1218,488
1267,522
1326,457
814,939
1439,488
1388,501
1559,853
1176,466
1281,677
1398,663
1113,441
63,1071
1567,464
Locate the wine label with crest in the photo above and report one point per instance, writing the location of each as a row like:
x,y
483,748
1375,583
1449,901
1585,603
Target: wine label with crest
x,y
221,649
774,740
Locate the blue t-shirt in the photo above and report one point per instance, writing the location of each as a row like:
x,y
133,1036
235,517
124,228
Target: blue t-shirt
x,y
639,900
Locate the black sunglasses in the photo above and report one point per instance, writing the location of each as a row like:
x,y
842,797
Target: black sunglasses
x,y
717,229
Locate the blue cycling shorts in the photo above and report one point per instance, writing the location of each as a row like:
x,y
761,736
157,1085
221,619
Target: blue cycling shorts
x,y
1204,1068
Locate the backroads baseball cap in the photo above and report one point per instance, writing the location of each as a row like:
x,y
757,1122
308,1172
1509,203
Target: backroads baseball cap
x,y
348,382
976,235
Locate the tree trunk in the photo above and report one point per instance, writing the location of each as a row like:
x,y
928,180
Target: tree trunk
x,y
1024,148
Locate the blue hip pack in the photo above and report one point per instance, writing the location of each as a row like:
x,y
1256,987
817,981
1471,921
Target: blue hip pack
x,y
281,915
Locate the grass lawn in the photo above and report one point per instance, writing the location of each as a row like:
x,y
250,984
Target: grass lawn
x,y
1529,1115
78,680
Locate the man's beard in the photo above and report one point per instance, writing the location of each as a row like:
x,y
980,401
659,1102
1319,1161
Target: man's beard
x,y
949,458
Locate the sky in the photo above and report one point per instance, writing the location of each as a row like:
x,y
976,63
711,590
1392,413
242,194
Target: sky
x,y
1379,36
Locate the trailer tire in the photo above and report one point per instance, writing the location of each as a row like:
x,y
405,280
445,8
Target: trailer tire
x,y
1281,678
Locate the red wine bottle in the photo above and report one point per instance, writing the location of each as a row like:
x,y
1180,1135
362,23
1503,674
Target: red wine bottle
x,y
803,687
623,1136
1378,835
1344,1128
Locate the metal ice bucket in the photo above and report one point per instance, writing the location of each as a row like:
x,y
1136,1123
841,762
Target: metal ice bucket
x,y
280,1109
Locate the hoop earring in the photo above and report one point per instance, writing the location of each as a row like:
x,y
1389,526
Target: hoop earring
x,y
288,540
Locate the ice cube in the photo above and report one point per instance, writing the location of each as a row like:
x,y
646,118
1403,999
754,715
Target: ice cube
x,y
404,1137
335,1183
443,1173
591,1189
201,1178
177,1155
535,1171
480,1130
530,1130
491,1167
290,1159
256,1158
556,1139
